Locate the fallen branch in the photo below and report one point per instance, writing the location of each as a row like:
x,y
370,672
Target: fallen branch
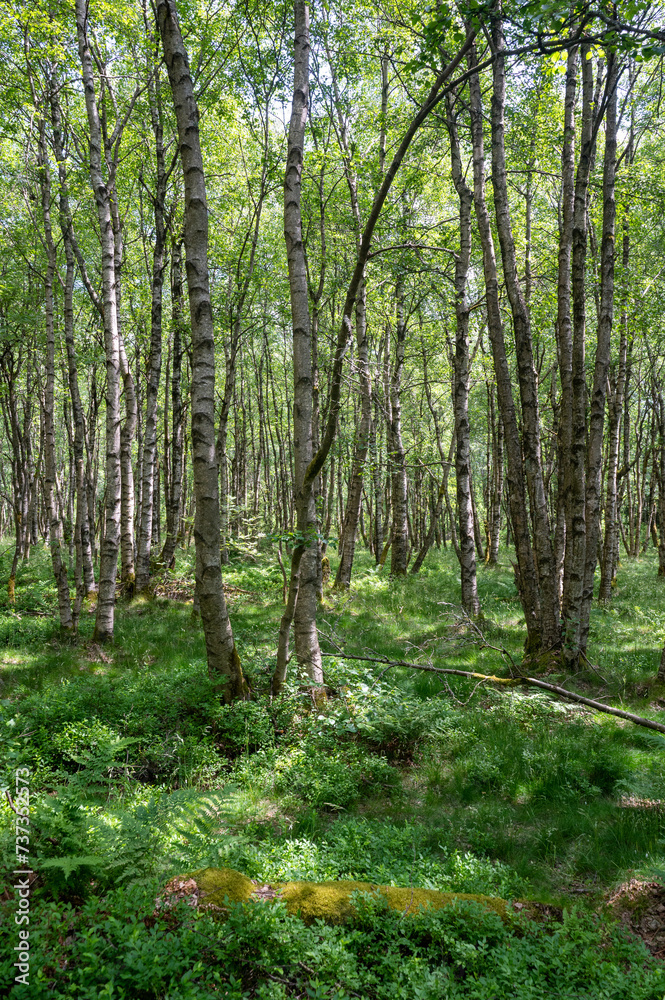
x,y
560,692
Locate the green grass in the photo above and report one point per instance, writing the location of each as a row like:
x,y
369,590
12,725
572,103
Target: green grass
x,y
138,773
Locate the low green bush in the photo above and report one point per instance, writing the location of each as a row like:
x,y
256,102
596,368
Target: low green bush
x,y
318,770
244,727
120,948
374,851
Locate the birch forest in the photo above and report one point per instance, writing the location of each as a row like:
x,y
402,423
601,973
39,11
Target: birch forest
x,y
332,497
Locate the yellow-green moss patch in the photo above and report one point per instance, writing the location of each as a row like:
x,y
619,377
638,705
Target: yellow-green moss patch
x,y
217,883
329,901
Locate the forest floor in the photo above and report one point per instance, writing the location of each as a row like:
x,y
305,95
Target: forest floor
x,y
137,774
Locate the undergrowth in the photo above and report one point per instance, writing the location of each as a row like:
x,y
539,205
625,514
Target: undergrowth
x,y
139,774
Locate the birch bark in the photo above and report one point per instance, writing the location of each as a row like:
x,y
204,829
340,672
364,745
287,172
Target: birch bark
x,y
223,660
574,467
174,495
83,572
602,362
467,549
155,360
362,439
396,455
528,383
55,526
564,326
515,479
304,618
343,338
111,538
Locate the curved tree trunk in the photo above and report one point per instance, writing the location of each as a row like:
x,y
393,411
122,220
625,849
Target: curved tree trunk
x,y
341,345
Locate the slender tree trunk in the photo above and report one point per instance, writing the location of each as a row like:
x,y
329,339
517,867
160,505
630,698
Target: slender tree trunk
x,y
659,467
128,499
354,495
55,526
223,660
515,479
446,460
155,359
92,456
497,485
564,326
428,540
574,456
361,443
83,571
375,458
396,453
111,538
602,363
231,354
302,593
465,512
549,598
343,339
608,567
10,366
174,496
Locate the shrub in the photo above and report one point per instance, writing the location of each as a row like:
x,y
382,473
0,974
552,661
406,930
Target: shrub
x,y
319,771
243,727
118,947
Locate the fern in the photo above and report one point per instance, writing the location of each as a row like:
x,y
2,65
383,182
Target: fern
x,y
170,832
69,864
656,740
173,831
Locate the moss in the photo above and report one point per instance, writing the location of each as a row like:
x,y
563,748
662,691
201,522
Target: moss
x,y
330,901
216,883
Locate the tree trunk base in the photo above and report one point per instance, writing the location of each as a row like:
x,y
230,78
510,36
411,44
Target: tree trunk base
x,y
661,667
544,661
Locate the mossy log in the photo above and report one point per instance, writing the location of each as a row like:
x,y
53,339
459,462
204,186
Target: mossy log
x,y
213,888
